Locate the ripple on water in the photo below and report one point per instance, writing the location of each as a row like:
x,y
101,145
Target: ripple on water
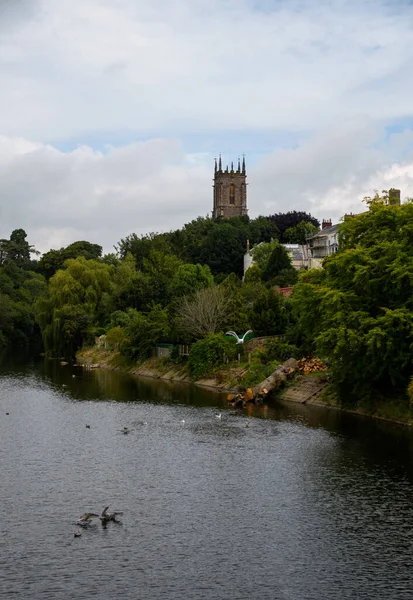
x,y
287,508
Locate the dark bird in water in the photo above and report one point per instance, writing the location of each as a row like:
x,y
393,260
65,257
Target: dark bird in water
x,y
125,430
87,426
107,516
86,519
7,413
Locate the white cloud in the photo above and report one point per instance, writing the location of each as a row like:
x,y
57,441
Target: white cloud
x,y
60,197
105,65
174,70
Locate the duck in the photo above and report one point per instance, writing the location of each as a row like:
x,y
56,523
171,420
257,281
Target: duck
x,y
218,416
78,534
87,426
125,430
107,516
86,519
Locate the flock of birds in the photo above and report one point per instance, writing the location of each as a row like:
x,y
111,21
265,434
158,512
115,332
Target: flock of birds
x,y
105,518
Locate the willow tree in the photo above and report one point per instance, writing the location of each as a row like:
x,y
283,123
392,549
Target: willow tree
x,y
75,297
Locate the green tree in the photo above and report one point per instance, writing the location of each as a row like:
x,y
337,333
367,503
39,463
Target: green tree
x,y
224,247
188,279
300,233
66,317
17,249
268,315
210,353
279,261
54,260
144,331
356,311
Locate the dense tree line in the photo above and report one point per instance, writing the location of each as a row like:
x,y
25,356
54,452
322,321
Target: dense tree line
x,y
357,310
186,286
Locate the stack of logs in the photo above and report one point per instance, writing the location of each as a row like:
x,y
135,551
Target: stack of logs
x,y
311,365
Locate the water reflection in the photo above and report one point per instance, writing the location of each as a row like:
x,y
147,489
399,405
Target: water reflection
x,y
277,502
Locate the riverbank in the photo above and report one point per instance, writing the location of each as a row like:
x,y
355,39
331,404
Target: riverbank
x,y
226,379
304,389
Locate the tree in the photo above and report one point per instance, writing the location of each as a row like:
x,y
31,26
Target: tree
x,y
17,249
54,260
279,261
223,249
285,221
357,310
209,353
74,299
144,331
204,312
188,279
261,253
268,315
300,233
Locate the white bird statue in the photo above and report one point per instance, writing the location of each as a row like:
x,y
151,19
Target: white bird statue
x,y
239,340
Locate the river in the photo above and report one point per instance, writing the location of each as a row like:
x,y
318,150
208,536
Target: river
x,y
285,503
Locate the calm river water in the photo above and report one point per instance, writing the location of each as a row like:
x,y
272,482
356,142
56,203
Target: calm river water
x,y
302,504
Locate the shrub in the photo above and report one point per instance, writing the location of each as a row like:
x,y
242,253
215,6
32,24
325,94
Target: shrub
x,y
208,354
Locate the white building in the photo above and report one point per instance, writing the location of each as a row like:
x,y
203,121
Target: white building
x,y
322,244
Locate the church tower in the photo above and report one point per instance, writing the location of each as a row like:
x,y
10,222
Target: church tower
x,y
230,190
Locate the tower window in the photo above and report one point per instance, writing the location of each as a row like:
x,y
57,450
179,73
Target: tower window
x,y
232,194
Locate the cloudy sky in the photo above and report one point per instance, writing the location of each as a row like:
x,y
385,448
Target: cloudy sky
x,y
111,111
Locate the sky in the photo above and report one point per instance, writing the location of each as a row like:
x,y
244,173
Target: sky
x,y
112,111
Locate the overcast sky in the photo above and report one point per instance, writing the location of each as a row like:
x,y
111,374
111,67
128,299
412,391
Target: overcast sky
x,y
111,111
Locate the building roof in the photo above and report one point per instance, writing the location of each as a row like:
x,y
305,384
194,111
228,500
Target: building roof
x,y
295,250
327,230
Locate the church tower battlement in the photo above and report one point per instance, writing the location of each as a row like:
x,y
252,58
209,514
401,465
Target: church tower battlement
x,y
230,190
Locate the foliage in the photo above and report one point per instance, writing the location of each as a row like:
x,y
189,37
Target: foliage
x,y
300,233
261,253
357,311
281,351
19,288
209,353
54,260
237,314
203,313
67,314
144,331
115,337
279,261
285,221
258,370
268,315
188,279
16,249
224,247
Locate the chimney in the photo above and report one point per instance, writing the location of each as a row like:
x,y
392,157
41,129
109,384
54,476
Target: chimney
x,y
394,197
326,224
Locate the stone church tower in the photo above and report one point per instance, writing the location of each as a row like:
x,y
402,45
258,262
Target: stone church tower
x,y
230,191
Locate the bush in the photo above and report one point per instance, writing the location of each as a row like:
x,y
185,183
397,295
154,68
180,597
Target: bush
x,y
282,351
208,354
258,371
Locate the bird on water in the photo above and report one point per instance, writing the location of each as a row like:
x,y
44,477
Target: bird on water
x,y
107,516
86,519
